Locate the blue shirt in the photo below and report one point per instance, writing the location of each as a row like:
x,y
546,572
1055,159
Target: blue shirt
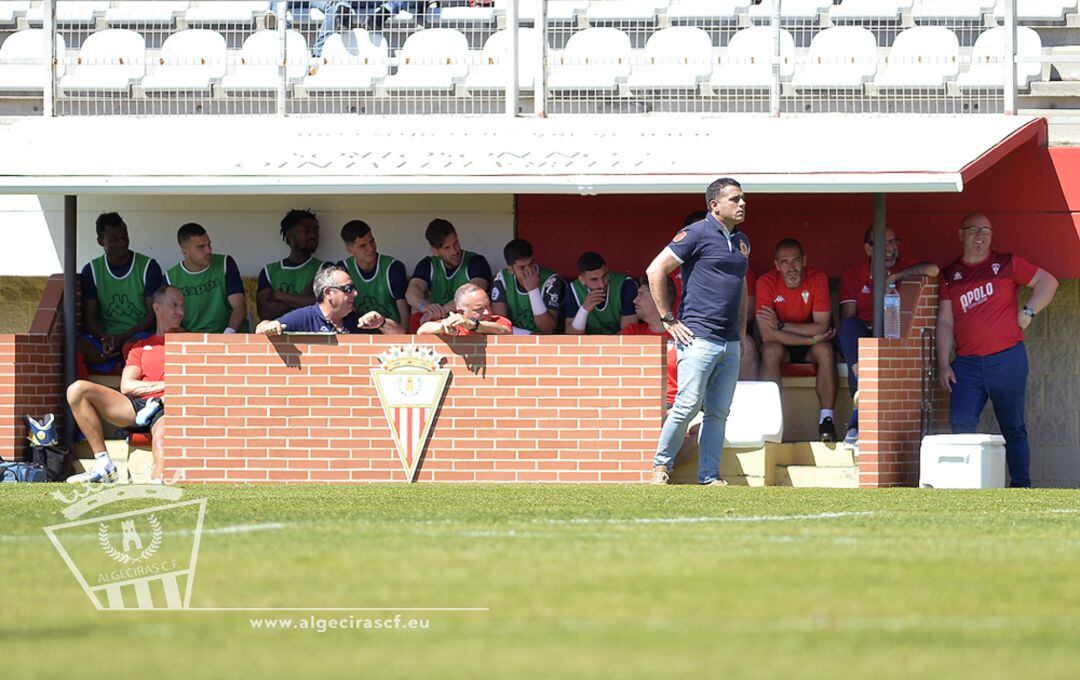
x,y
310,319
714,264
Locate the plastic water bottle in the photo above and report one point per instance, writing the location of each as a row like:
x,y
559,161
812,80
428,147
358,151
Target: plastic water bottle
x,y
892,312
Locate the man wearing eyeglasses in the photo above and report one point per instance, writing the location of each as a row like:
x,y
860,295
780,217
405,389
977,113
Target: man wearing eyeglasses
x,y
857,305
979,317
332,311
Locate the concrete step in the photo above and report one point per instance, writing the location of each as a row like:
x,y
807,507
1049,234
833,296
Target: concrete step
x,y
808,476
813,453
1058,89
133,463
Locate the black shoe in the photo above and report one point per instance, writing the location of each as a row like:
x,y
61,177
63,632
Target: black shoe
x,y
827,430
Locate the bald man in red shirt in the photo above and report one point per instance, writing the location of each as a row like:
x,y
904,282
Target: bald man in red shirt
x,y
979,317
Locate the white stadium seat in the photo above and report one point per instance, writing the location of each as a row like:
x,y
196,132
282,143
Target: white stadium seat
x,y
109,61
467,15
987,69
747,64
624,10
558,11
923,57
190,61
594,59
851,11
839,58
679,57
1045,11
260,58
490,73
225,12
695,11
22,62
138,12
953,10
790,10
350,62
435,59
756,415
71,12
10,10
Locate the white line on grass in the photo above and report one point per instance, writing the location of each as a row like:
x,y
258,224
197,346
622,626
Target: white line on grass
x,y
701,520
231,529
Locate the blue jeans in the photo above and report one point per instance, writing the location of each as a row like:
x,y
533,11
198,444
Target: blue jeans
x,y
708,371
1002,378
847,337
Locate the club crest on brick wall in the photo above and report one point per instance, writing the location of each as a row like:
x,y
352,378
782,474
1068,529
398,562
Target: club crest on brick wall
x,y
411,384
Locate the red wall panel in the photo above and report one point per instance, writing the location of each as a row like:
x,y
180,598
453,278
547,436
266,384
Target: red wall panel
x,y
1032,196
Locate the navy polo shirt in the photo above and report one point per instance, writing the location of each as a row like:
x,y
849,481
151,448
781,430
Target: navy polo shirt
x,y
310,319
713,267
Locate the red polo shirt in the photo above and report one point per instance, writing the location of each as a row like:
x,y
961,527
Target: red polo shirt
x,y
494,318
857,286
794,305
984,303
149,356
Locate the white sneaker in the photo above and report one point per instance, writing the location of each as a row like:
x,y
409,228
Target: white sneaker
x,y
852,436
99,474
659,475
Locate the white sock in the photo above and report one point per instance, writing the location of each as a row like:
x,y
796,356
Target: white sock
x,y
103,459
825,413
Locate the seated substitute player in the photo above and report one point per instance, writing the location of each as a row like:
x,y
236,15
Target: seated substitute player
x,y
650,324
117,292
857,305
981,321
528,294
600,302
380,280
793,314
471,316
436,278
213,291
138,406
285,285
333,311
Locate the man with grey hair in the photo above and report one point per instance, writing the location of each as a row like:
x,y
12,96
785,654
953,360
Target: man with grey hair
x,y
471,315
332,311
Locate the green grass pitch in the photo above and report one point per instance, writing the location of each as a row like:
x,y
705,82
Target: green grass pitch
x,y
578,581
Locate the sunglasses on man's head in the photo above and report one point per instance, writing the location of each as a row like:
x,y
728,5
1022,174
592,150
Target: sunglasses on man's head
x,y
347,288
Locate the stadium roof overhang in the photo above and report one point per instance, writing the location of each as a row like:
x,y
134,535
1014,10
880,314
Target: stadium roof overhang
x,y
492,154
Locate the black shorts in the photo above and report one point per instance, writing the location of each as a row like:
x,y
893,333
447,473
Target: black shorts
x,y
137,403
798,353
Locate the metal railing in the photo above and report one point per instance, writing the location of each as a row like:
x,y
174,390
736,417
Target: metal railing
x,y
565,57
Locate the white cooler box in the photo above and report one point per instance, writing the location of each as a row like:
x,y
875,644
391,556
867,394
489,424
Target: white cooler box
x,y
962,461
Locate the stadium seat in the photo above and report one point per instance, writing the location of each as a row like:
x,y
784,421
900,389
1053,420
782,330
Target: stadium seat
x,y
869,11
616,11
747,64
790,10
259,61
190,61
987,67
953,10
676,58
22,64
706,11
467,15
839,58
490,73
10,10
141,12
1040,11
435,59
109,61
558,11
225,12
923,57
756,415
594,59
71,12
350,62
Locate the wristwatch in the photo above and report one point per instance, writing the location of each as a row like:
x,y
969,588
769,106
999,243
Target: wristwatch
x,y
475,325
668,318
1029,311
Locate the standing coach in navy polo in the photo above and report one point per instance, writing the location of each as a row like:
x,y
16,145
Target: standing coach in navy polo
x,y
980,318
712,318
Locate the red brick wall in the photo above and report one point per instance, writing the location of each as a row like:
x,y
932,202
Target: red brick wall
x,y
32,372
890,374
517,409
